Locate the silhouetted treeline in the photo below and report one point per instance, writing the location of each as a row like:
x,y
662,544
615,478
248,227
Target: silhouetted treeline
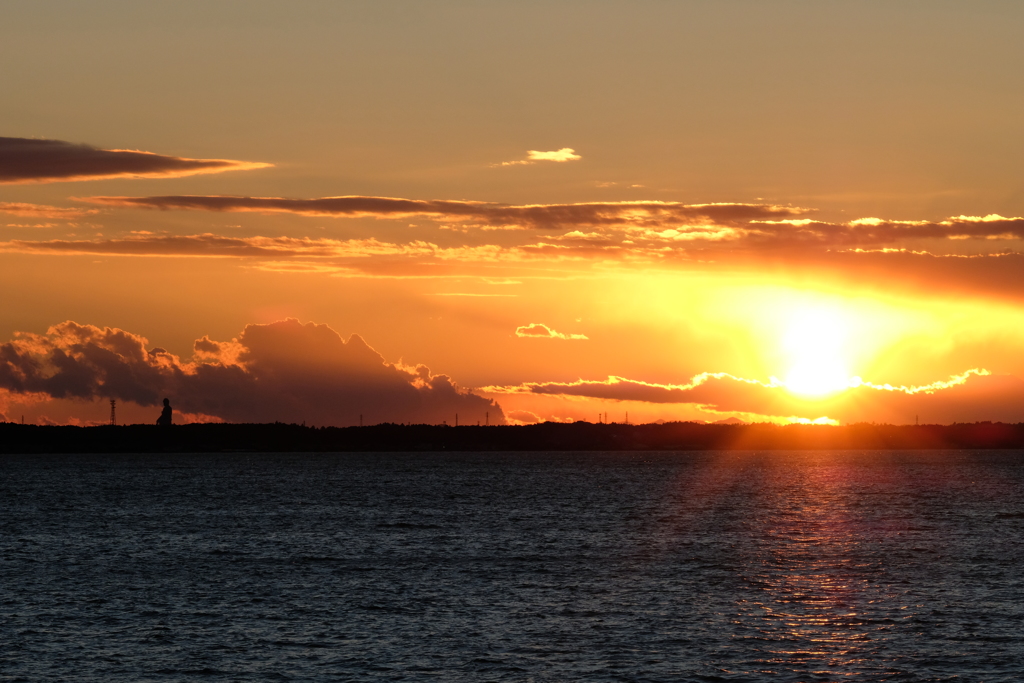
x,y
580,436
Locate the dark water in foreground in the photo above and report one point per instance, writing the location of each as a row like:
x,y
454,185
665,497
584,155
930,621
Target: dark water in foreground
x,y
902,566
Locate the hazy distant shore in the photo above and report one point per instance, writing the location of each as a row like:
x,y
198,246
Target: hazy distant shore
x,y
579,436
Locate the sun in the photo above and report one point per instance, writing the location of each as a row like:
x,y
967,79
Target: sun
x,y
814,342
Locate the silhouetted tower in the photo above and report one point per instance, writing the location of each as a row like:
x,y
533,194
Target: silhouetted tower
x,y
487,419
113,412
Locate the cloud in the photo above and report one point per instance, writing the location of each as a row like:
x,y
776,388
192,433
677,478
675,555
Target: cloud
x,y
533,156
641,214
610,235
283,371
539,331
808,234
42,210
875,231
523,417
207,245
974,395
722,226
562,155
984,274
29,160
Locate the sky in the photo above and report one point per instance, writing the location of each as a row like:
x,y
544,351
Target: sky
x,y
512,212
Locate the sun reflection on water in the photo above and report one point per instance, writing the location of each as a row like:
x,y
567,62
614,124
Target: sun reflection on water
x,y
809,587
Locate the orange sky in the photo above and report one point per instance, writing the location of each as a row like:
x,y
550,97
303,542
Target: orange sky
x,y
524,211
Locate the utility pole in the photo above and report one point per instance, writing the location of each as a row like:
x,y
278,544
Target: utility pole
x,y
113,413
487,419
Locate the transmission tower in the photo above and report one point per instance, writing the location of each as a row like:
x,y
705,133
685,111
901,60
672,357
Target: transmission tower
x,y
113,412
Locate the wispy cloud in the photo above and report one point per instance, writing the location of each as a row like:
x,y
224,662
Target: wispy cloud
x,y
330,255
42,210
733,225
533,156
623,236
995,274
641,214
540,331
30,160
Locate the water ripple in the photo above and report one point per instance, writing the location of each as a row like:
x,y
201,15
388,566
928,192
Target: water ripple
x,y
879,566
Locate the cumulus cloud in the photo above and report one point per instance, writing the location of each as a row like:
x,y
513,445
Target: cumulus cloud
x,y
29,160
283,371
540,331
42,210
975,395
644,214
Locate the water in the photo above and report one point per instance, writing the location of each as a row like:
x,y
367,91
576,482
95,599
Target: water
x,y
880,566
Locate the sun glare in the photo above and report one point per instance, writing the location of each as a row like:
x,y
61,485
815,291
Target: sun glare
x,y
815,343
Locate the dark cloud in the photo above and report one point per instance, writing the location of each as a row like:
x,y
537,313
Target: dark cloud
x,y
282,371
608,214
973,396
727,226
26,160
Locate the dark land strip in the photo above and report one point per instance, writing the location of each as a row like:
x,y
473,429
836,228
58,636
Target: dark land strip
x,y
579,436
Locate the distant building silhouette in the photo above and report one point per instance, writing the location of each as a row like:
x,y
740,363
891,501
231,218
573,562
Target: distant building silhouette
x,y
165,416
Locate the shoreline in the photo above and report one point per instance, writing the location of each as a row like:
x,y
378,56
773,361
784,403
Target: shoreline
x,y
579,436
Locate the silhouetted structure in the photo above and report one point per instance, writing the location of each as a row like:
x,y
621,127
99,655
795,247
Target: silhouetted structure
x,y
113,413
165,416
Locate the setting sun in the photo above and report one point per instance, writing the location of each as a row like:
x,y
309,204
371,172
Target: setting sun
x,y
815,342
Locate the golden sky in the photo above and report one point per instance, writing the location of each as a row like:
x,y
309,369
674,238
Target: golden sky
x,y
513,211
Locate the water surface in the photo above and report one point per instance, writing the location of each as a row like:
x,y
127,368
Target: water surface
x,y
877,566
